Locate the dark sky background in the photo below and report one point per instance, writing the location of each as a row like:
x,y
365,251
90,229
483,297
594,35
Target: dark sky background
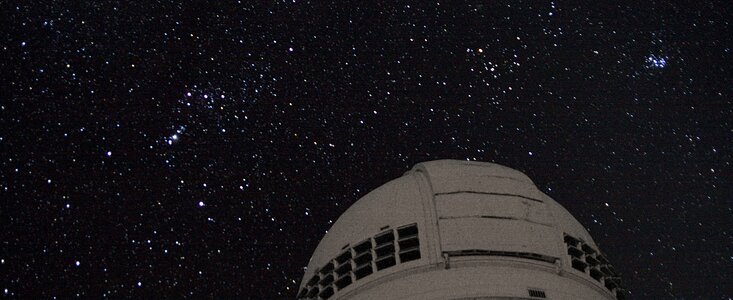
x,y
199,149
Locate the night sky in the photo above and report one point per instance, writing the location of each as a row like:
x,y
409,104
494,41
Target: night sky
x,y
202,149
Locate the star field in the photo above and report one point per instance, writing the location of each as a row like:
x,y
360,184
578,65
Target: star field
x,y
201,150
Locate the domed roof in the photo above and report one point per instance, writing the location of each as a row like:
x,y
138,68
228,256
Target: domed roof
x,y
438,209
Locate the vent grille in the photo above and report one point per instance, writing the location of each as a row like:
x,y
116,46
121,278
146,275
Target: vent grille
x,y
591,262
386,249
409,243
536,293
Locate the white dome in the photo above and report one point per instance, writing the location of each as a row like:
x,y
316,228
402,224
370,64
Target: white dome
x,y
452,229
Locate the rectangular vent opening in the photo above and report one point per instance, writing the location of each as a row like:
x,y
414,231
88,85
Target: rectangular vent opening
x,y
343,282
410,255
409,243
326,293
328,280
343,270
407,231
386,263
363,247
384,250
328,268
363,272
592,261
384,238
579,265
571,240
610,283
363,259
344,257
575,252
536,293
596,274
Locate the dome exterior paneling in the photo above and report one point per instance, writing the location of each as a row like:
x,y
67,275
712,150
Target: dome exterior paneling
x,y
447,224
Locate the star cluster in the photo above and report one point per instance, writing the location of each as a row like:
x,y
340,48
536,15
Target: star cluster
x,y
189,149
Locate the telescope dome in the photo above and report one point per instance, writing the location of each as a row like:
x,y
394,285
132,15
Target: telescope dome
x,y
451,229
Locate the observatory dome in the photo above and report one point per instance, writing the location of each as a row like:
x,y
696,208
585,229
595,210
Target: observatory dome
x,y
452,229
